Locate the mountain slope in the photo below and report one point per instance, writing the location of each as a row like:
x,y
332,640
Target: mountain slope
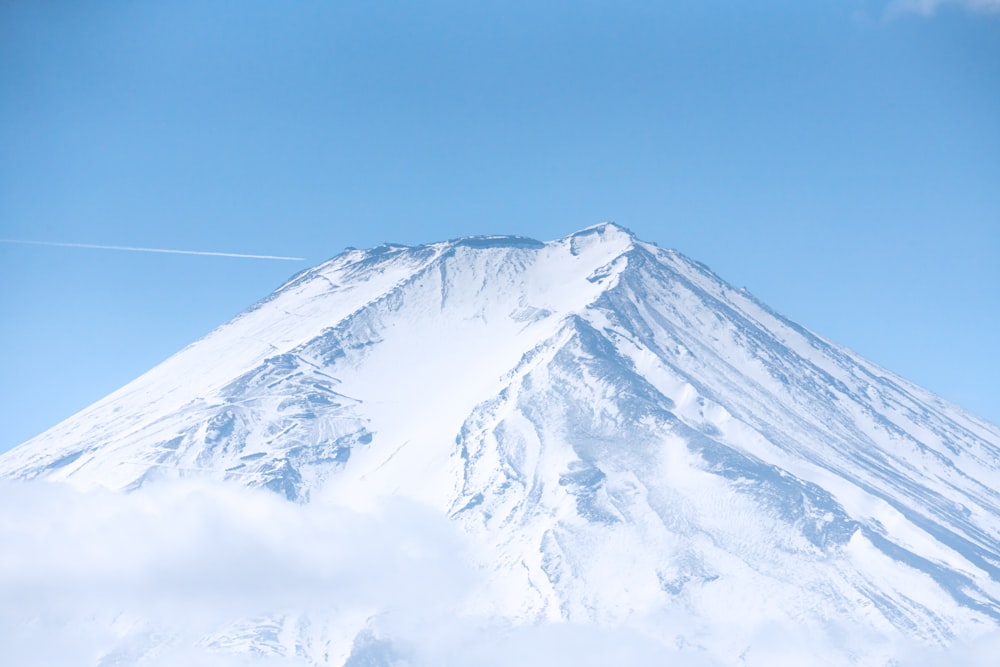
x,y
620,433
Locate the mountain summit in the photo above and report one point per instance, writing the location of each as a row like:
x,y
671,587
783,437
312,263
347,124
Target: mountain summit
x,y
620,433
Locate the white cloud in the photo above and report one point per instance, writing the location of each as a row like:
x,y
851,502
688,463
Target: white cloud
x,y
82,573
978,652
181,542
223,576
175,573
930,7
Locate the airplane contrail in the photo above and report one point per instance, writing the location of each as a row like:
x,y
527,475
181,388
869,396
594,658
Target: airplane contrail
x,y
160,250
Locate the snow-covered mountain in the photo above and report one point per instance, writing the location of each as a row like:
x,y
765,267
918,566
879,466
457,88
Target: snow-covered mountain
x,y
624,438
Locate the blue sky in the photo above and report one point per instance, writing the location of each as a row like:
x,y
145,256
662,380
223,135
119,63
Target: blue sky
x,y
839,158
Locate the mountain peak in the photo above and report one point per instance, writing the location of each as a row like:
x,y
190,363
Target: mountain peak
x,y
619,431
611,229
607,238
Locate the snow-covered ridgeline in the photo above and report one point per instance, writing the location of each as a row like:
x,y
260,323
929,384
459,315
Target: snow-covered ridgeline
x,y
617,429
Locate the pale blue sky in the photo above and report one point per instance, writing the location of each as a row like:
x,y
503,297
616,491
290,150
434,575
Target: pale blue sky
x,y
839,158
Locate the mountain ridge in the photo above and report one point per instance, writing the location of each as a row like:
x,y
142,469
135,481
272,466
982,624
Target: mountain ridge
x,y
618,430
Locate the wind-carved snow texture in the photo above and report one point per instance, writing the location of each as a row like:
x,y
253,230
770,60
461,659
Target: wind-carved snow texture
x,y
620,433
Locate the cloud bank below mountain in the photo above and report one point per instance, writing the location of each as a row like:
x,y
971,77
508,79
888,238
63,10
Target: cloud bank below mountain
x,y
157,576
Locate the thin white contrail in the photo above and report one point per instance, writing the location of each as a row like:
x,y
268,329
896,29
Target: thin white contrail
x,y
161,250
